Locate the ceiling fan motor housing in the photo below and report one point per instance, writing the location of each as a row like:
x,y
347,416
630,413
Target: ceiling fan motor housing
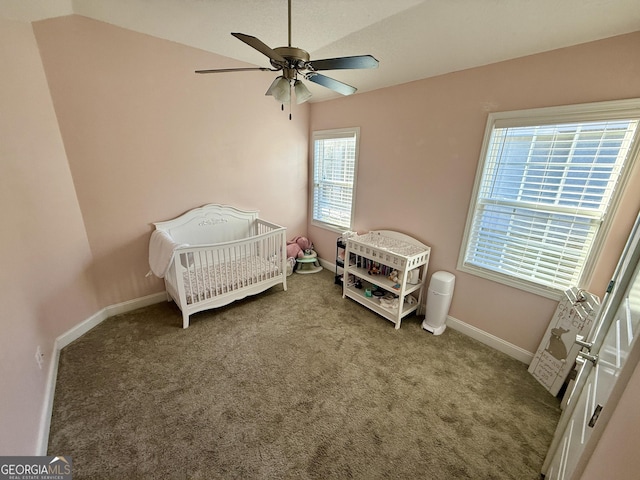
x,y
297,59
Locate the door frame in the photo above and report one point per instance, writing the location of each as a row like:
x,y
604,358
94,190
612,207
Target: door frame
x,y
626,268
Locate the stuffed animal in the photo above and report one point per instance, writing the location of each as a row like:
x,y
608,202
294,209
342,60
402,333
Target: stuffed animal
x,y
298,247
394,276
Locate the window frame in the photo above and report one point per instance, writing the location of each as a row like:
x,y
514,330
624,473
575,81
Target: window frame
x,y
325,135
599,111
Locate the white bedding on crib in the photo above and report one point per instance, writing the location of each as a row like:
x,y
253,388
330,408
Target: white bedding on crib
x,y
161,250
209,281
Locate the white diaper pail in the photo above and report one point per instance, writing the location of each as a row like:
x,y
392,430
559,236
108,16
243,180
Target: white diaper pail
x,y
439,298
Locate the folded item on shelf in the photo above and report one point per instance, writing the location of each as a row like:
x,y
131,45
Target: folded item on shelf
x,y
389,301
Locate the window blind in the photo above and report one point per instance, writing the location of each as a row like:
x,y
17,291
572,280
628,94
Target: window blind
x,y
334,178
544,193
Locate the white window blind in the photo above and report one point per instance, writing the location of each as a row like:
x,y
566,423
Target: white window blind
x,y
543,195
334,175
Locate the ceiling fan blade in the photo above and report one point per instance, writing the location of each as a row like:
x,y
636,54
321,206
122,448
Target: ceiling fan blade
x,y
360,61
334,85
248,69
261,47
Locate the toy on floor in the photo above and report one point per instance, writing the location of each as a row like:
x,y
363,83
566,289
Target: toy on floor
x,y
301,249
297,247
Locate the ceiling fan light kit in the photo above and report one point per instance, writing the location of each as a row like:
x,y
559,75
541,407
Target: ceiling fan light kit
x,y
302,92
280,89
293,61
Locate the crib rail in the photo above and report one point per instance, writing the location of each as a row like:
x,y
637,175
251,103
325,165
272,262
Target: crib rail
x,y
211,272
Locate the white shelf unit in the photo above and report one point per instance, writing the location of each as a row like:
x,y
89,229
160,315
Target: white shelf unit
x,y
396,251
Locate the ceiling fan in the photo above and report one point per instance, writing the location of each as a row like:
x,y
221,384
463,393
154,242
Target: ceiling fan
x,y
294,62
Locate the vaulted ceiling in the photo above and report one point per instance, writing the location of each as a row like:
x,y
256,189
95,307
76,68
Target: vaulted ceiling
x,y
412,39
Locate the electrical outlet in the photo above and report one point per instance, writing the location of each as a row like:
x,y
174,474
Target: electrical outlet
x,y
39,357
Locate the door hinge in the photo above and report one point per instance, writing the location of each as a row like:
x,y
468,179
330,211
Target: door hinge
x,y
594,417
610,286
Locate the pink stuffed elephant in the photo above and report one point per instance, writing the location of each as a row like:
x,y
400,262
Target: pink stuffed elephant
x,y
296,247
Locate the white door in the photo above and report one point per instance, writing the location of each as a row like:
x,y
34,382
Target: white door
x,y
611,343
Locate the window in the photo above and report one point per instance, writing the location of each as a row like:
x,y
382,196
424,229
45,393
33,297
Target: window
x,y
335,156
546,180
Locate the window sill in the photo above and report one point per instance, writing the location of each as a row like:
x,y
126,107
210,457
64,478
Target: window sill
x,y
331,228
529,287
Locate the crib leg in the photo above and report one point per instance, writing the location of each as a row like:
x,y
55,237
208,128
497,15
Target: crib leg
x,y
185,320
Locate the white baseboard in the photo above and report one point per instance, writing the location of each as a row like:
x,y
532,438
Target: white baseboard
x,y
69,336
327,265
80,329
47,408
473,332
490,340
136,303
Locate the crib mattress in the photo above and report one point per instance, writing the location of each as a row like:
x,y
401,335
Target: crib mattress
x,y
205,282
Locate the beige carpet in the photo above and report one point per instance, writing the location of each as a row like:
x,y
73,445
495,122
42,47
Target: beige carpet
x,y
299,384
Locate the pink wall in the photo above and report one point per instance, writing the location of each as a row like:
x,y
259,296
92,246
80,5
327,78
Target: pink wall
x,y
148,139
419,149
44,286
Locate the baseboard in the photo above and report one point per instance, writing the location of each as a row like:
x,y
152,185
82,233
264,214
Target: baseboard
x,y
110,311
47,408
81,328
327,265
136,303
69,336
490,340
473,332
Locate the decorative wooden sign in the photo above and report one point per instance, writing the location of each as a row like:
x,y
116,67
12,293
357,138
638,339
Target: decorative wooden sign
x,y
557,353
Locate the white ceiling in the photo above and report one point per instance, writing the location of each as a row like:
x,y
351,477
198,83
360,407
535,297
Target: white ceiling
x,y
412,39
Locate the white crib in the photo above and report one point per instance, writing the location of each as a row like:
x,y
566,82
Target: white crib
x,y
216,254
